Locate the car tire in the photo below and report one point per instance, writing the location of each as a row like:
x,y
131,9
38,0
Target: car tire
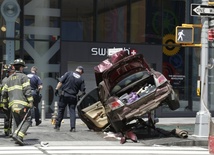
x,y
173,101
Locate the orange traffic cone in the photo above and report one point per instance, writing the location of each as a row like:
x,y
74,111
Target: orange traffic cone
x,y
211,138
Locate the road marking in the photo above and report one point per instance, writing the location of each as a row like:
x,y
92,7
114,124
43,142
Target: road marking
x,y
127,150
123,149
20,150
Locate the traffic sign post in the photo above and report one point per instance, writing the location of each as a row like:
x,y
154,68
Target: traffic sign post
x,y
203,116
184,35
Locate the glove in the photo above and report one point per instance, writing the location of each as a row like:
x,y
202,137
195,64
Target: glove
x,y
56,92
80,96
30,105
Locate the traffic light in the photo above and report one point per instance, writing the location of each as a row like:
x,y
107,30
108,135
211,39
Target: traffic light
x,y
211,34
184,35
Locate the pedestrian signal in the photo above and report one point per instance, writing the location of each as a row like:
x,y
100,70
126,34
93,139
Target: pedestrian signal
x,y
184,35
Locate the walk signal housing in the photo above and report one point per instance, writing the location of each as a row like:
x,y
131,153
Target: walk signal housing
x,y
184,35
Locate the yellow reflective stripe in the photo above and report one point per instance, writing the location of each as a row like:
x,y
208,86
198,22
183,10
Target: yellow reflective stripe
x,y
14,87
21,134
4,100
2,105
5,87
18,102
26,84
30,98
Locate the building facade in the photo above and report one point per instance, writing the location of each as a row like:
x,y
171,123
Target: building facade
x,y
58,35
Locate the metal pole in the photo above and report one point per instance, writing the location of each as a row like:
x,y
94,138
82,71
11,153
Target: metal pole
x,y
43,110
202,125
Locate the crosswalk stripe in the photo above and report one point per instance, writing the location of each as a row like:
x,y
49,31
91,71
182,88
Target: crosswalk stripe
x,y
20,150
129,152
124,147
161,150
126,150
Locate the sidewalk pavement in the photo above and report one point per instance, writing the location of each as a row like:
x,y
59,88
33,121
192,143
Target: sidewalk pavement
x,y
45,132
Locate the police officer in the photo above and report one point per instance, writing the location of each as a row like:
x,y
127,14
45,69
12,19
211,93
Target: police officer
x,y
70,83
17,93
4,107
36,86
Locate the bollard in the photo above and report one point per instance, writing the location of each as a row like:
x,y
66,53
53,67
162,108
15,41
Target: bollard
x,y
43,110
55,107
54,115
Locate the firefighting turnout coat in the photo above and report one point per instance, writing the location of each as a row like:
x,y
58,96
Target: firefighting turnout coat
x,y
2,105
17,90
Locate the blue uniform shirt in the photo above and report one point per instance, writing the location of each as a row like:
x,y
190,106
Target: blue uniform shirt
x,y
72,83
35,80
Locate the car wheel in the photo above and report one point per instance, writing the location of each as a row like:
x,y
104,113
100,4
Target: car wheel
x,y
173,101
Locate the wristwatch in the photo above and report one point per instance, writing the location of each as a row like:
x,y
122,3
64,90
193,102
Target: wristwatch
x,y
10,11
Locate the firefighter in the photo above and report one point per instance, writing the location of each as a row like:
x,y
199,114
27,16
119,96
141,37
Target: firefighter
x,y
17,93
4,107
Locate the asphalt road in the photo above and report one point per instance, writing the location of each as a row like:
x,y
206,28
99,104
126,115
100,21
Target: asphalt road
x,y
45,133
43,139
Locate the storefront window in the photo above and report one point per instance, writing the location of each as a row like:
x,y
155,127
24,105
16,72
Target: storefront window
x,y
9,31
138,22
77,20
112,21
177,60
2,37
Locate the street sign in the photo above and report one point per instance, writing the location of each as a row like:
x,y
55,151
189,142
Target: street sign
x,y
202,10
184,35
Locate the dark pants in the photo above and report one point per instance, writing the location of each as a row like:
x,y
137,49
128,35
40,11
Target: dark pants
x,y
7,120
63,102
22,117
35,111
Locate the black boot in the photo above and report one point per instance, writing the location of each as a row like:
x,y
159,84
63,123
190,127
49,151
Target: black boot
x,y
38,122
57,128
18,140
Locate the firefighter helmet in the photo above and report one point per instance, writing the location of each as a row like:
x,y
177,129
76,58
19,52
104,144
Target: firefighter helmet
x,y
8,68
19,62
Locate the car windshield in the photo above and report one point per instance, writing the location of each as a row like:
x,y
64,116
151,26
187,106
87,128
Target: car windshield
x,y
130,79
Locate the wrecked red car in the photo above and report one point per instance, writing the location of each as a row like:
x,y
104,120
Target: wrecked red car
x,y
127,89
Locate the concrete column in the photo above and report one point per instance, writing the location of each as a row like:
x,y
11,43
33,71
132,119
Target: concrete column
x,y
42,46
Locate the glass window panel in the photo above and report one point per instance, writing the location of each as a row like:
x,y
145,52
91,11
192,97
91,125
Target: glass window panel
x,y
77,20
112,21
138,22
